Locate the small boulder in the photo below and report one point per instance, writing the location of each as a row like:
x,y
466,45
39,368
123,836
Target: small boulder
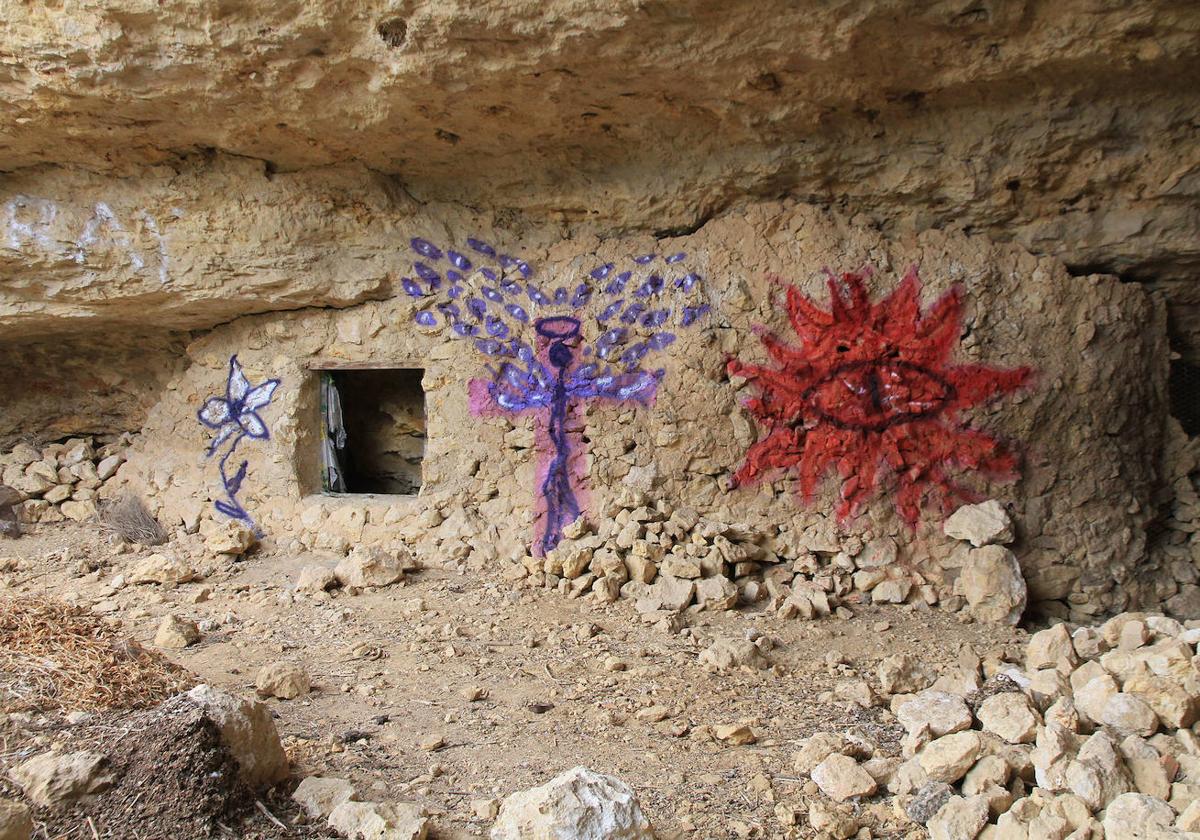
x,y
668,593
107,467
176,633
992,583
727,654
840,778
1128,714
163,569
716,593
579,804
52,780
904,674
379,821
1098,775
947,759
818,747
943,713
79,511
1135,815
9,499
1051,648
927,801
368,566
316,579
959,819
986,523
283,680
319,795
230,537
1009,715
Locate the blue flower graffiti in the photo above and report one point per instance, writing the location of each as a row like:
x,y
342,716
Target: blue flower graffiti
x,y
554,350
235,417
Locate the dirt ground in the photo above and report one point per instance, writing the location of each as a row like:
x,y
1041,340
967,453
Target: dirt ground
x,y
558,681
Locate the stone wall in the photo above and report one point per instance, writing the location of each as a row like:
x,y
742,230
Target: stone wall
x,y
1084,424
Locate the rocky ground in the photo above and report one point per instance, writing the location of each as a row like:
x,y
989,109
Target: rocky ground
x,y
451,690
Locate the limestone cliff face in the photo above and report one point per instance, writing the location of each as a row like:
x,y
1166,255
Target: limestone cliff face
x,y
1068,126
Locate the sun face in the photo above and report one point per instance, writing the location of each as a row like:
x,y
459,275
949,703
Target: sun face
x,y
871,391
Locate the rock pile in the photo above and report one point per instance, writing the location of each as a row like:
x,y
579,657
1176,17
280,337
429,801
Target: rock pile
x,y
1092,738
670,559
61,480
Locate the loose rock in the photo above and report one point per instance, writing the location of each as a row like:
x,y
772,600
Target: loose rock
x,y
53,780
249,733
284,680
578,804
993,585
840,778
982,524
320,795
176,633
379,821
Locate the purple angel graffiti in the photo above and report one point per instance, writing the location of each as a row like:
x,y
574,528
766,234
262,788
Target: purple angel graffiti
x,y
539,358
235,417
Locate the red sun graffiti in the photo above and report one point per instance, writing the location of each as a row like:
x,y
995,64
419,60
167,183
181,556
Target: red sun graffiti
x,y
871,390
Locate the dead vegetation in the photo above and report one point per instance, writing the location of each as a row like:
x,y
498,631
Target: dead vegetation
x,y
128,517
53,656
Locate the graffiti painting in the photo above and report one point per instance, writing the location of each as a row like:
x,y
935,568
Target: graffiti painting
x,y
550,352
871,388
235,417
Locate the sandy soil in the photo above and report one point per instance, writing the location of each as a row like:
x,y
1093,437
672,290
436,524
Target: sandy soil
x,y
560,682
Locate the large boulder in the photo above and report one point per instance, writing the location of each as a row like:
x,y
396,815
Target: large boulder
x,y
249,733
993,585
577,804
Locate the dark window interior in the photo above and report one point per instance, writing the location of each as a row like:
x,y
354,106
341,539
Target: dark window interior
x,y
383,415
1184,390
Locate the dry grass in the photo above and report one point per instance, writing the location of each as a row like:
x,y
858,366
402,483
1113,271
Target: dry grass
x,y
127,516
56,656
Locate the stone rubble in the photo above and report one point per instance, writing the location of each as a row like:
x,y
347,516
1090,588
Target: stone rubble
x,y
62,480
1092,738
670,559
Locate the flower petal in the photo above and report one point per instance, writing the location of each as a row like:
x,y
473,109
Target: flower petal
x,y
260,395
238,385
222,436
215,412
253,425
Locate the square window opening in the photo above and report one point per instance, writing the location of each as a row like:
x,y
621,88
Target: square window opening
x,y
373,424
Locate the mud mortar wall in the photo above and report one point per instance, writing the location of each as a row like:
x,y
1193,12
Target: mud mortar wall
x,y
1088,422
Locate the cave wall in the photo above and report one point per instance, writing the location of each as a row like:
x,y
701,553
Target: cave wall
x,y
181,182
1087,425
